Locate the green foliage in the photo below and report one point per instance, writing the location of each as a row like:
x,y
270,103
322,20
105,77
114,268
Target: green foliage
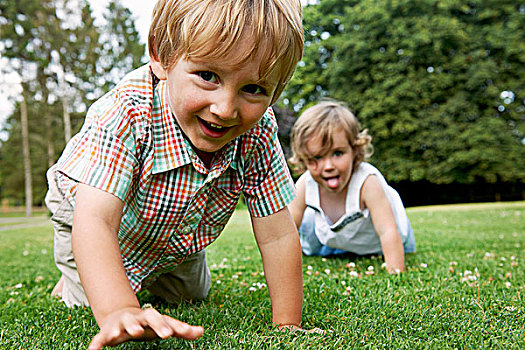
x,y
462,290
439,84
12,169
65,60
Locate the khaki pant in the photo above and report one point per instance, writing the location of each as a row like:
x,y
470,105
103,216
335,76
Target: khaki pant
x,y
188,281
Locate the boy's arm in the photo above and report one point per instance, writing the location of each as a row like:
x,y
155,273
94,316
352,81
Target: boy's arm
x,y
278,243
374,198
298,205
96,222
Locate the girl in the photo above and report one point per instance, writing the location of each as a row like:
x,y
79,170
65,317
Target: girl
x,y
343,203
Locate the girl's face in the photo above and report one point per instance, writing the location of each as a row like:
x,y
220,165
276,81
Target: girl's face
x,y
333,169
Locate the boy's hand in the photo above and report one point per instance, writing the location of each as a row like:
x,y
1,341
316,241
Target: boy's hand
x,y
142,325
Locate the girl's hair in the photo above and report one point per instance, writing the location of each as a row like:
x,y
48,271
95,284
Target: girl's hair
x,y
323,121
211,28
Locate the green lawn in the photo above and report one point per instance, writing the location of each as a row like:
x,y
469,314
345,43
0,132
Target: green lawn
x,y
464,289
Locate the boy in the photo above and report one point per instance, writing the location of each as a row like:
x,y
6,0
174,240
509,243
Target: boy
x,y
162,159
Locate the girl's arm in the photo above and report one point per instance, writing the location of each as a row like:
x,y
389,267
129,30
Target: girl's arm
x,y
96,221
298,205
374,198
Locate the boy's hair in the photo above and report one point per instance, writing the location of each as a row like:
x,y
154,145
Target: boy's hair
x,y
322,121
210,28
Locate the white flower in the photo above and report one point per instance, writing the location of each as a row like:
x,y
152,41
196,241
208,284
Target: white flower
x,y
423,265
354,274
469,276
489,256
327,271
370,268
222,265
258,285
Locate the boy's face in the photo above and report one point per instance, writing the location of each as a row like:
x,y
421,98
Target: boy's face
x,y
215,101
332,170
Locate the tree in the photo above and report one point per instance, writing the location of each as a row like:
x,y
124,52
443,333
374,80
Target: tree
x,y
439,84
121,47
28,179
65,62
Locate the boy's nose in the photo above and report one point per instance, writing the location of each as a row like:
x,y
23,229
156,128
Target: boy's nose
x,y
224,106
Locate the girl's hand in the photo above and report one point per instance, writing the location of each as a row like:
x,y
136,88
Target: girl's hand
x,y
294,328
141,325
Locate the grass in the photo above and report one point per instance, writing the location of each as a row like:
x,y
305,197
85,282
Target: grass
x,y
464,289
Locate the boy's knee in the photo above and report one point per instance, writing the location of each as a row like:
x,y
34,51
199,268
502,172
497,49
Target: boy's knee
x,y
173,291
190,281
198,294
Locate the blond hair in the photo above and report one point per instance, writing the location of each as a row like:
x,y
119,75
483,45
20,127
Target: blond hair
x,y
211,28
322,121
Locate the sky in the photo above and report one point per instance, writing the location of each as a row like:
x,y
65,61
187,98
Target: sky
x,y
141,10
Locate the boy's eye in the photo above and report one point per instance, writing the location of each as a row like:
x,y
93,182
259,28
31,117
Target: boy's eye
x,y
254,89
208,76
338,153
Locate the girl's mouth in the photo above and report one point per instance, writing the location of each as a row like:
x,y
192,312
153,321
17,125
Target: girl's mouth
x,y
332,182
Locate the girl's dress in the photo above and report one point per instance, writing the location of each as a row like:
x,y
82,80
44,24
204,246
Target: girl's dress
x,y
354,231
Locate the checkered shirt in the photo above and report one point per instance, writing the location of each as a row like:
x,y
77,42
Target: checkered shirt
x,y
131,146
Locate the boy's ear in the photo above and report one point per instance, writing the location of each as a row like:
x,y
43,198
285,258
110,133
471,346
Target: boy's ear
x,y
158,69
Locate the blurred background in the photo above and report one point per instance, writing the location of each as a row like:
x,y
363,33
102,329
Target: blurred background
x,y
439,84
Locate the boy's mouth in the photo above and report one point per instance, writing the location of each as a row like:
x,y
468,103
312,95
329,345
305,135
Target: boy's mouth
x,y
213,130
332,181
